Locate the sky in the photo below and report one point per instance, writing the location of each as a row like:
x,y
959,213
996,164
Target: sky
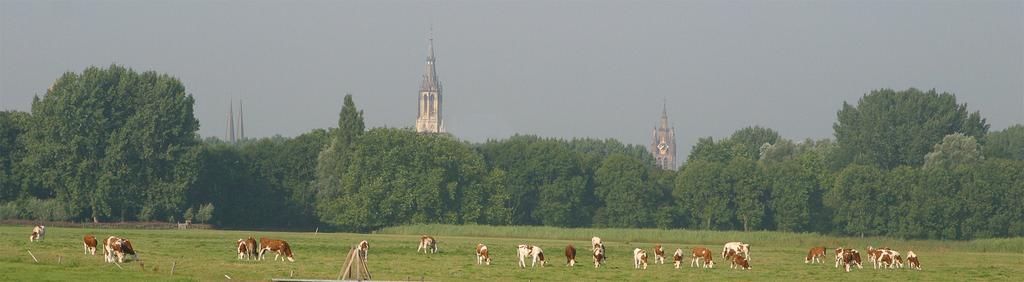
x,y
599,69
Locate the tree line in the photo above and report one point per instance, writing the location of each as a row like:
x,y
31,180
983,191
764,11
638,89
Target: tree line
x,y
111,144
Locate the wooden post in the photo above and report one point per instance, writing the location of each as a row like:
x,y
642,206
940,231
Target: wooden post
x,y
33,256
317,231
173,264
58,259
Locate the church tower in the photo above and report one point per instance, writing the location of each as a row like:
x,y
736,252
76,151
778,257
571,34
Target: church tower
x,y
664,145
428,118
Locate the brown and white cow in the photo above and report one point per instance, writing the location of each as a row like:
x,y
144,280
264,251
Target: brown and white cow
x,y
701,253
736,248
363,249
595,242
598,256
116,249
639,258
885,258
816,254
739,262
659,254
530,251
677,258
427,243
89,243
252,247
279,247
482,255
37,233
246,248
570,255
848,257
913,261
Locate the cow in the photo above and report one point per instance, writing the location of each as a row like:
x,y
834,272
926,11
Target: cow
x,y
89,243
848,257
639,258
530,251
912,260
279,247
37,233
482,255
677,258
659,254
885,258
570,255
247,248
595,242
251,247
739,262
598,257
427,243
816,254
737,248
701,253
116,249
362,250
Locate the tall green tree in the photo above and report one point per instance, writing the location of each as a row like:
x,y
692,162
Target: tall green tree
x,y
796,193
748,191
890,128
625,193
333,161
701,188
13,126
857,200
114,143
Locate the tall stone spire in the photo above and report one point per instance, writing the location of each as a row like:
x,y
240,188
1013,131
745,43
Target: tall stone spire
x,y
231,122
663,147
430,101
241,121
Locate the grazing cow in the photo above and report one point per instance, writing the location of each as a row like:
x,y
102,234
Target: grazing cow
x,y
530,251
701,253
89,242
737,248
570,255
848,257
37,233
243,252
913,261
885,258
677,258
251,247
815,254
117,249
598,257
739,262
364,247
482,255
659,254
639,258
427,243
279,247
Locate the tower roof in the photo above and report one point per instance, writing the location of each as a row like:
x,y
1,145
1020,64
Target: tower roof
x,y
430,79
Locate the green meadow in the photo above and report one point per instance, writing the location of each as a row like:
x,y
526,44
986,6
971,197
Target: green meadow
x,y
208,255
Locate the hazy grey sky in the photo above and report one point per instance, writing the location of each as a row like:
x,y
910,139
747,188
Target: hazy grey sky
x,y
552,68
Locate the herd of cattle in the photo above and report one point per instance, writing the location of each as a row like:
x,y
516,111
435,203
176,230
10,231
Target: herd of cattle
x,y
737,253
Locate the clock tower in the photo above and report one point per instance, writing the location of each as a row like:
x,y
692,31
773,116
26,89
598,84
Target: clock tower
x,y
664,145
428,117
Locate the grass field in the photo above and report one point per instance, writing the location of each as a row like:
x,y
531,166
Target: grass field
x,y
209,255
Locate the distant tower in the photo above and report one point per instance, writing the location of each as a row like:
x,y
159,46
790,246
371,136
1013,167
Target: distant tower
x,y
231,122
241,122
664,145
428,117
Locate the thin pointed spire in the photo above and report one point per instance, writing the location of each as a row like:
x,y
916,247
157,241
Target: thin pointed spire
x,y
231,121
241,121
